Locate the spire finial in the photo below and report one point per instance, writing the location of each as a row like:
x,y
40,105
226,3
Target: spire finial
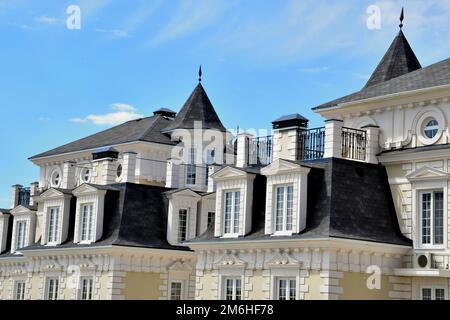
x,y
200,73
402,17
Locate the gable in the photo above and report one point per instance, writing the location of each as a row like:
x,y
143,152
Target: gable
x,y
229,173
427,173
86,189
283,166
52,193
21,210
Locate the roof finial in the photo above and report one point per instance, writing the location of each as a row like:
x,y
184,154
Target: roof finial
x,y
402,17
200,73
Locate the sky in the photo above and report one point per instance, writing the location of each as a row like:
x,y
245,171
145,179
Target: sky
x,y
260,59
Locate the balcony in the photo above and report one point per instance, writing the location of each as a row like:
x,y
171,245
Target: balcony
x,y
260,151
310,144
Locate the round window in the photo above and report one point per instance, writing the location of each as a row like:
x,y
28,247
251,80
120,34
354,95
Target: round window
x,y
56,179
431,128
119,171
86,175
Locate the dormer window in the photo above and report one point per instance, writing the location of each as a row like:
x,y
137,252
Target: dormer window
x,y
23,228
232,211
53,225
21,234
284,209
87,211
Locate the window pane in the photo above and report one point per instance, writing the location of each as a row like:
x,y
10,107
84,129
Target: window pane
x,y
238,289
290,205
53,224
426,293
175,291
438,217
229,289
87,285
211,219
237,208
282,289
86,223
426,218
182,226
440,294
21,234
228,207
279,208
19,290
191,174
292,289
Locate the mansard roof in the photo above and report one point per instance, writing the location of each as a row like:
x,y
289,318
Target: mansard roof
x,y
135,216
198,107
333,209
146,129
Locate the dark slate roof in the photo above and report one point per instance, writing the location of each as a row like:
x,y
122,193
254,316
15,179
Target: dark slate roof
x,y
197,108
435,75
146,129
400,59
135,216
5,210
346,199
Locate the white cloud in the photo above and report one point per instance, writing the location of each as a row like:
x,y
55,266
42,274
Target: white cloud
x,y
48,20
115,33
124,112
314,70
192,16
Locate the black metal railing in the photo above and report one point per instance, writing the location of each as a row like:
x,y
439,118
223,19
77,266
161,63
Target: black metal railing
x,y
260,151
311,144
354,144
24,197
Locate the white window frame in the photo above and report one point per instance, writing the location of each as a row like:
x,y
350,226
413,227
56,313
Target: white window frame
x,y
90,290
186,226
16,292
288,287
432,243
51,241
89,225
55,295
234,288
285,231
21,238
433,289
233,213
181,283
190,164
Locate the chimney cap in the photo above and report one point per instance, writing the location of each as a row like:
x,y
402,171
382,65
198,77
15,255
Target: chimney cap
x,y
291,120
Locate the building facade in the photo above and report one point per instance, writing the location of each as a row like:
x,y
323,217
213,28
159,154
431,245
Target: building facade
x,y
174,207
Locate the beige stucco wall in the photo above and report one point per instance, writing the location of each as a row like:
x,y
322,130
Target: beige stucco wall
x,y
257,282
354,287
314,281
207,282
141,286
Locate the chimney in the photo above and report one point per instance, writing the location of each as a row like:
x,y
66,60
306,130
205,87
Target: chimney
x,y
129,167
285,137
105,166
34,190
243,147
15,195
68,178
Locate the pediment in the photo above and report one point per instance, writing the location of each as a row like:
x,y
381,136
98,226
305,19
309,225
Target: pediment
x,y
21,210
427,173
86,189
52,193
181,266
184,193
229,173
283,166
230,260
283,259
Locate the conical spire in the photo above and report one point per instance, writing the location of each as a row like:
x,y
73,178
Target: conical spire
x,y
400,59
197,108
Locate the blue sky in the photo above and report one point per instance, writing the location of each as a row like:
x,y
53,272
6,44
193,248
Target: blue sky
x,y
261,60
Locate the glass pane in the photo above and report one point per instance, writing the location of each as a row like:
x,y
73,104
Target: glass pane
x,y
292,289
175,293
426,293
290,205
182,226
228,206
279,208
238,289
440,294
426,218
282,289
237,209
438,217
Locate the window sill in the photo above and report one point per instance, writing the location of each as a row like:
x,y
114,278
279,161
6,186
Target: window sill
x,y
230,236
282,234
